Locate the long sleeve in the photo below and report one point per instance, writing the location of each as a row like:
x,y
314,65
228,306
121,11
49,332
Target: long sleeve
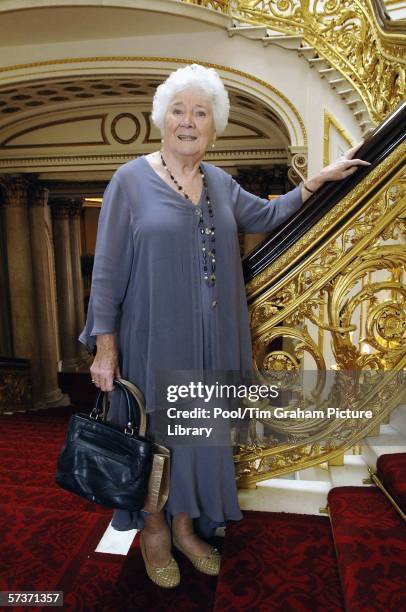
x,y
112,265
257,215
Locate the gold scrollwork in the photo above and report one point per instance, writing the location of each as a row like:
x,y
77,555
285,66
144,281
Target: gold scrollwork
x,y
298,170
356,281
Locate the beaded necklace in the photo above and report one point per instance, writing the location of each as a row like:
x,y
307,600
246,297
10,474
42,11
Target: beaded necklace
x,y
206,232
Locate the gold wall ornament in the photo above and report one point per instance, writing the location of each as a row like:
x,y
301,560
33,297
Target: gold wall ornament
x,y
298,170
331,121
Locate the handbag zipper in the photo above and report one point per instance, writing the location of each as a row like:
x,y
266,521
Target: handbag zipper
x,y
108,451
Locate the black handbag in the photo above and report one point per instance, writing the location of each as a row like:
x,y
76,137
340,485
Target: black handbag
x,y
104,463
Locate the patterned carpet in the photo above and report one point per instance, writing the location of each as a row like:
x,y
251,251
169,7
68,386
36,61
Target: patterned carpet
x,y
290,562
270,561
392,473
370,540
48,536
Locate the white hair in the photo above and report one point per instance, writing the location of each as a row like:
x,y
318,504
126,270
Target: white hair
x,y
194,76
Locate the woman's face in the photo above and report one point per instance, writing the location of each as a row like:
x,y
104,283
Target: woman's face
x,y
189,125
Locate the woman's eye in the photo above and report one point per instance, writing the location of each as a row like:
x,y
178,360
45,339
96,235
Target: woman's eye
x,y
177,111
201,113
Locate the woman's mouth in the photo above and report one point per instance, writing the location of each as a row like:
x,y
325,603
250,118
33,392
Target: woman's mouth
x,y
187,137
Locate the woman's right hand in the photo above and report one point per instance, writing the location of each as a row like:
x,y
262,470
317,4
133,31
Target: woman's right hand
x,y
104,368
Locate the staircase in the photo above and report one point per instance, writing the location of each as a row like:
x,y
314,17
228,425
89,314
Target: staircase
x,y
355,560
296,44
306,491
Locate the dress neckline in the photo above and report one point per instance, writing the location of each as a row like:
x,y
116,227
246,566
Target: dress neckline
x,y
175,191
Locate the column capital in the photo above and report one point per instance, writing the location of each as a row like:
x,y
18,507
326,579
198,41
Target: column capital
x,y
76,207
15,189
38,196
61,207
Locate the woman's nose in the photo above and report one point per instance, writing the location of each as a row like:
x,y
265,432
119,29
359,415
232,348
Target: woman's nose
x,y
188,119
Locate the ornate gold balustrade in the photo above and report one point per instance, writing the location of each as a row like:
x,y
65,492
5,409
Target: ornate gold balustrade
x,y
347,33
340,309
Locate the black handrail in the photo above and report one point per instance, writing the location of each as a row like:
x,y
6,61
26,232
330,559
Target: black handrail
x,y
382,141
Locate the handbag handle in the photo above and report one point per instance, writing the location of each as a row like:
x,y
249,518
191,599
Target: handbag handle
x,y
131,393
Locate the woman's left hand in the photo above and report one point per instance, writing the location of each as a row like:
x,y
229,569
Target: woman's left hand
x,y
344,166
341,168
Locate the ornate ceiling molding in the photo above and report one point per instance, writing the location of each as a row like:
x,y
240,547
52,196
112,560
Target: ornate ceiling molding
x,y
159,67
42,116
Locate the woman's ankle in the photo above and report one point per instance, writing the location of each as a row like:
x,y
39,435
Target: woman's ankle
x,y
182,525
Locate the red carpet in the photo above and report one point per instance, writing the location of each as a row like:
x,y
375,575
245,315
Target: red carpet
x,y
48,535
370,540
392,473
51,498
271,561
41,547
279,561
103,585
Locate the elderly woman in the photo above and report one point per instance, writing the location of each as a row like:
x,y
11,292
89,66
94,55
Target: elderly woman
x,y
168,294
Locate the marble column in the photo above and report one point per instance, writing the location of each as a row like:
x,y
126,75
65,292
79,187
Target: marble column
x,y
65,285
45,296
21,287
76,250
6,341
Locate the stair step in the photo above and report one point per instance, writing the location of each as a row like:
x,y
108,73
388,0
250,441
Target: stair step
x,y
369,538
305,49
389,441
282,495
286,41
352,472
391,471
316,473
398,419
252,32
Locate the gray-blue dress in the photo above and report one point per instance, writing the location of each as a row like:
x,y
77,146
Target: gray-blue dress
x,y
148,286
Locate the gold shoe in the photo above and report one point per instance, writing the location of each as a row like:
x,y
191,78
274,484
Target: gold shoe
x,y
167,576
209,564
